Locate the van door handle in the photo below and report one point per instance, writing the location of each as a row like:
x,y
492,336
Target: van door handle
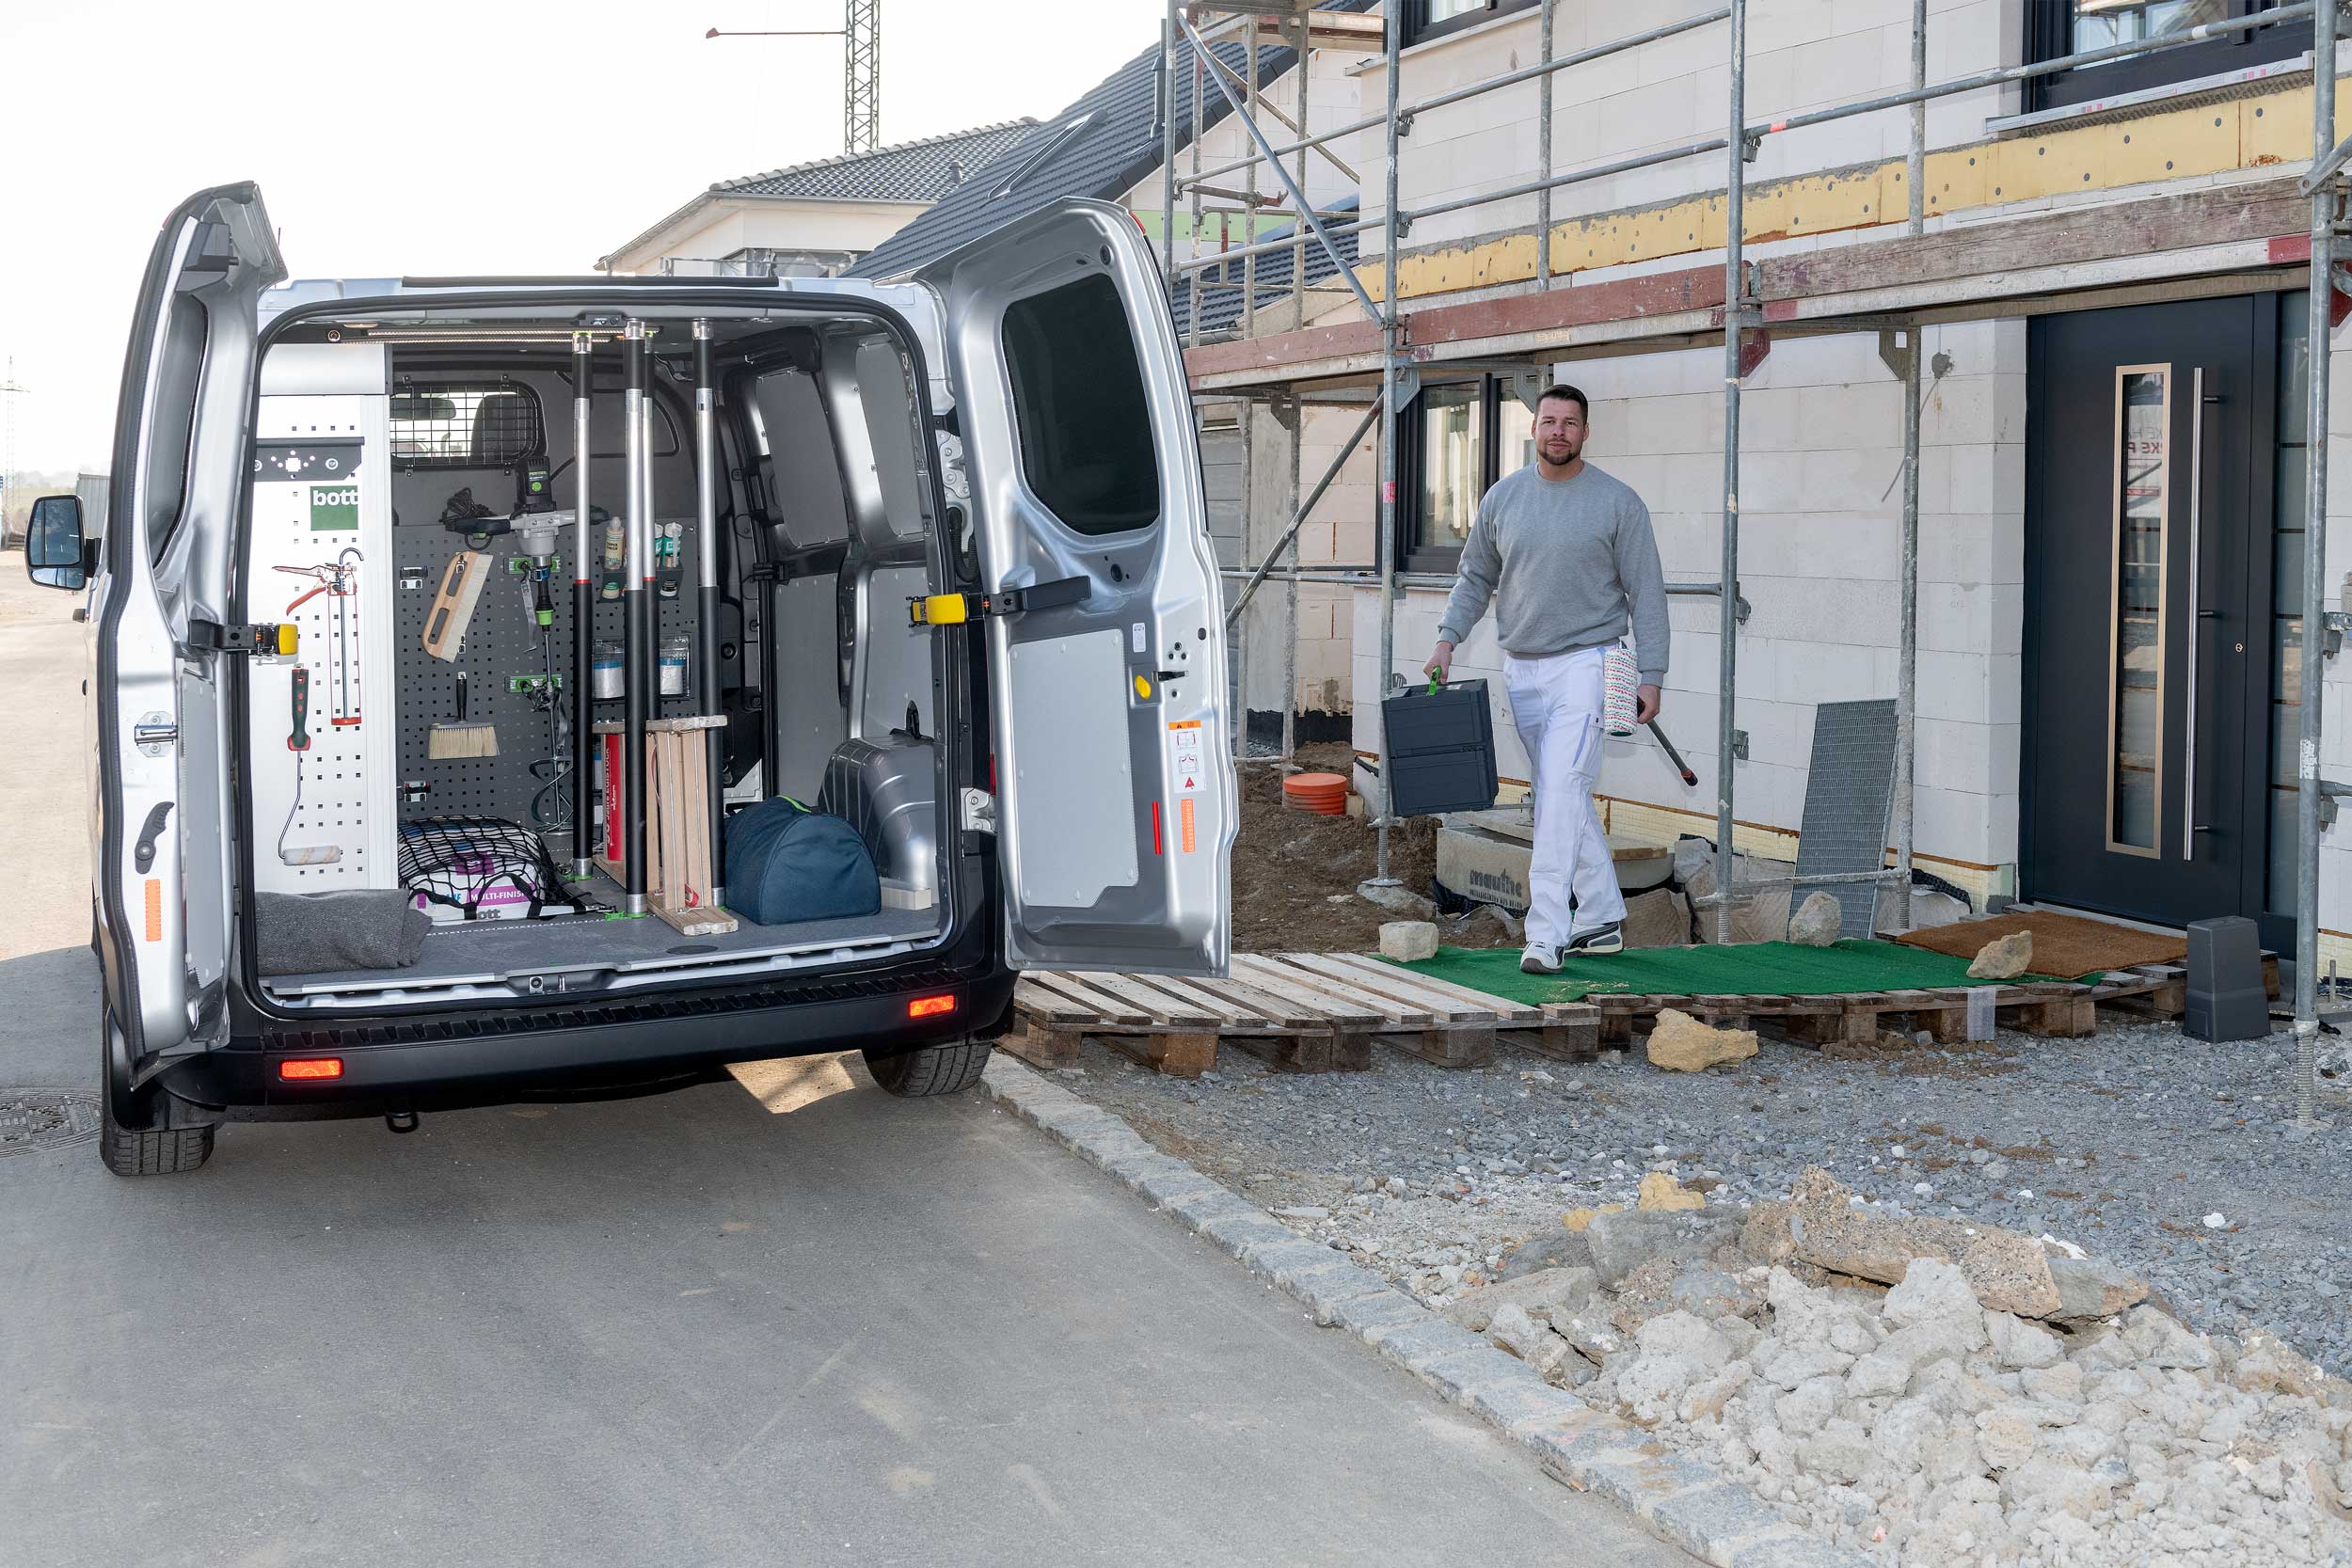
x,y
143,856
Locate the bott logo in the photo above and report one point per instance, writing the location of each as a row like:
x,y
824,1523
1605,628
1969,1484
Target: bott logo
x,y
334,506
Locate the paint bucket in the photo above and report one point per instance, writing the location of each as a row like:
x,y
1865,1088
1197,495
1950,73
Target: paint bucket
x,y
607,682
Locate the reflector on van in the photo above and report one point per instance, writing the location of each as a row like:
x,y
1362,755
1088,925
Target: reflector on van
x,y
303,1069
931,1007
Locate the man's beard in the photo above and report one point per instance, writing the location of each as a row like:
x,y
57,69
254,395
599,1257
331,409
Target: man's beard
x,y
1567,453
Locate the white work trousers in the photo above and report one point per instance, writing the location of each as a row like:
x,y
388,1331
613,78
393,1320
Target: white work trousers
x,y
1556,706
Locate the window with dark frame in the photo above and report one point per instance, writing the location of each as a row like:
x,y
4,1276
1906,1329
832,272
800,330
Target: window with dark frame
x,y
1458,438
1430,18
2056,28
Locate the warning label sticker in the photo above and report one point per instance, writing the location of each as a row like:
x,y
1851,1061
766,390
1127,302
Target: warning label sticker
x,y
1183,757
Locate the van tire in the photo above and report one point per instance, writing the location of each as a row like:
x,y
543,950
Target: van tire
x,y
930,1069
142,1150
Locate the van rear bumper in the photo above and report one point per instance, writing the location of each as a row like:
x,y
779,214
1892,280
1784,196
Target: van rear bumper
x,y
456,1060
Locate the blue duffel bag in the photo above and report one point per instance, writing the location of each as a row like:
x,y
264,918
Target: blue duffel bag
x,y
787,863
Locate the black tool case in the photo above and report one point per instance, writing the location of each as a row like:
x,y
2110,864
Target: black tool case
x,y
1441,748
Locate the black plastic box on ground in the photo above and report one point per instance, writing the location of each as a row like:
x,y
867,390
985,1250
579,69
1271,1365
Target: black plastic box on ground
x,y
1441,750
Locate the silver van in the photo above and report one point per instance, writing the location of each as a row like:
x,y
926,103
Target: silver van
x,y
520,687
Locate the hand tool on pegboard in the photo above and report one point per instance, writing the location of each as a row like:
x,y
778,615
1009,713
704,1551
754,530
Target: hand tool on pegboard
x,y
298,742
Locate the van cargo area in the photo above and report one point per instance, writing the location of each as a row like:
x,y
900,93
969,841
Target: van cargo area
x,y
441,775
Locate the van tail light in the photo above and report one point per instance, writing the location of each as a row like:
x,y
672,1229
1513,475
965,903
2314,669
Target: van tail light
x,y
304,1069
931,1007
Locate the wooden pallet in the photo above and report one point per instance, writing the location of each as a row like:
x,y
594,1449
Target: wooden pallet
x,y
1306,1012
1319,1012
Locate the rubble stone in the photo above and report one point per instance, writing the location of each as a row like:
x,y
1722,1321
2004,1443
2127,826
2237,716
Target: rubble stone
x,y
2003,958
1660,1192
2017,1345
2091,1287
1680,1043
2008,1272
1659,918
1540,1294
1623,1241
1818,920
1409,941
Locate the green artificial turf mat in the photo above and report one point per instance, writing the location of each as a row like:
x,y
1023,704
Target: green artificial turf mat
x,y
1761,969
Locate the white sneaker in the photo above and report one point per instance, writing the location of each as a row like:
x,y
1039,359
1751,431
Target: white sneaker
x,y
1540,959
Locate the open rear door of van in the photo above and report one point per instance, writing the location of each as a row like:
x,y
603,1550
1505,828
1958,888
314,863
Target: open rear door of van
x,y
163,602
1104,625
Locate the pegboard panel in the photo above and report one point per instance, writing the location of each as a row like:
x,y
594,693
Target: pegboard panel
x,y
502,642
320,501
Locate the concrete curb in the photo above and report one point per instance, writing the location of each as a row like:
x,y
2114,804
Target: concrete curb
x,y
1678,1498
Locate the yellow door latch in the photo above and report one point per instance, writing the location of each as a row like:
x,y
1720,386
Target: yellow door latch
x,y
955,610
261,639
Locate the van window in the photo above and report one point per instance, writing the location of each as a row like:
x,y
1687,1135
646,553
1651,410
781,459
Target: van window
x,y
179,379
451,426
1079,404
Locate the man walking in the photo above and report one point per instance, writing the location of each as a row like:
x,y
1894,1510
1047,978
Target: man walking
x,y
1570,548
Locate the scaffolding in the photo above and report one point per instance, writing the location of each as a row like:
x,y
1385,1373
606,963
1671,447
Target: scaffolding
x,y
1189,38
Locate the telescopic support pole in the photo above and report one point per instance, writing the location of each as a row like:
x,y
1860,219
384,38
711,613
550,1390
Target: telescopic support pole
x,y
637,573
584,616
706,559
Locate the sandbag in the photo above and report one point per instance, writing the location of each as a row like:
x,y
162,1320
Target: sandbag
x,y
309,933
787,863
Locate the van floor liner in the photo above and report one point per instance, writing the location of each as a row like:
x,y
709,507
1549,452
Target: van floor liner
x,y
491,950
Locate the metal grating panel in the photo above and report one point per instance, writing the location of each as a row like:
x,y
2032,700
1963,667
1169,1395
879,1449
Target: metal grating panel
x,y
1848,793
465,424
501,642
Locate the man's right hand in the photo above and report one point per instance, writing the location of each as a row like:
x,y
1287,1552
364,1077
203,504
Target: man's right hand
x,y
1439,662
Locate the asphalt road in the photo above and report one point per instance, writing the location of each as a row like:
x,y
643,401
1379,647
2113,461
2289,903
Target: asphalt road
x,y
789,1322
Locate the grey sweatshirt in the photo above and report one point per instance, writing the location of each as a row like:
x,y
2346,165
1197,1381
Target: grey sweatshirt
x,y
1574,559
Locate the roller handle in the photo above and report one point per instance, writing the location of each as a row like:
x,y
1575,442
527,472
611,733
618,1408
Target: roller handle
x,y
299,739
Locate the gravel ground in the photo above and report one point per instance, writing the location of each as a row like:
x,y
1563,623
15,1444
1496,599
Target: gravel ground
x,y
2173,1158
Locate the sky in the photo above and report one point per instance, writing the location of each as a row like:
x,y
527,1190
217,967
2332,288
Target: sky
x,y
438,137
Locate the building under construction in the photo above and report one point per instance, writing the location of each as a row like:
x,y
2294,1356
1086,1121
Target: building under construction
x,y
1962,359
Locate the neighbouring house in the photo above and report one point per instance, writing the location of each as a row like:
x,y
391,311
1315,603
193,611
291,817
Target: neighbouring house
x,y
2108,302
815,219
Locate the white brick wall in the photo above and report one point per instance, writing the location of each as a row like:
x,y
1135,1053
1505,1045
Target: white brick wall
x,y
1821,533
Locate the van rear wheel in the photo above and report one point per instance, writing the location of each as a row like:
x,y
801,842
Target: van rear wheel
x,y
127,1146
930,1069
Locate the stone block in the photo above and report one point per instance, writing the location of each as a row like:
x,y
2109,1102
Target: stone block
x,y
1409,941
1680,1043
1817,921
2006,1271
1659,918
2003,958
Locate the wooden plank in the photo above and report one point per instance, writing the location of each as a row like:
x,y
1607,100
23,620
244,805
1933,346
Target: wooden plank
x,y
1504,1009
2247,211
1271,981
1450,1045
1107,1008
1175,1054
1042,1047
1393,1012
1274,1013
1163,1010
1305,1051
1443,1009
1048,1006
703,921
1187,997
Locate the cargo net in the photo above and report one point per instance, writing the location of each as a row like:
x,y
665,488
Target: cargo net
x,y
455,425
483,868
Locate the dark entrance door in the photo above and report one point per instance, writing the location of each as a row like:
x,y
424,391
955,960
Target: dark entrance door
x,y
2152,465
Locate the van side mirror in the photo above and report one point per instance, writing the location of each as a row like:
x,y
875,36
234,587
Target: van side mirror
x,y
53,551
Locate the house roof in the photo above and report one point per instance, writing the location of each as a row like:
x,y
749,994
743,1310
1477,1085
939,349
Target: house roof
x,y
1098,146
922,170
1220,307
